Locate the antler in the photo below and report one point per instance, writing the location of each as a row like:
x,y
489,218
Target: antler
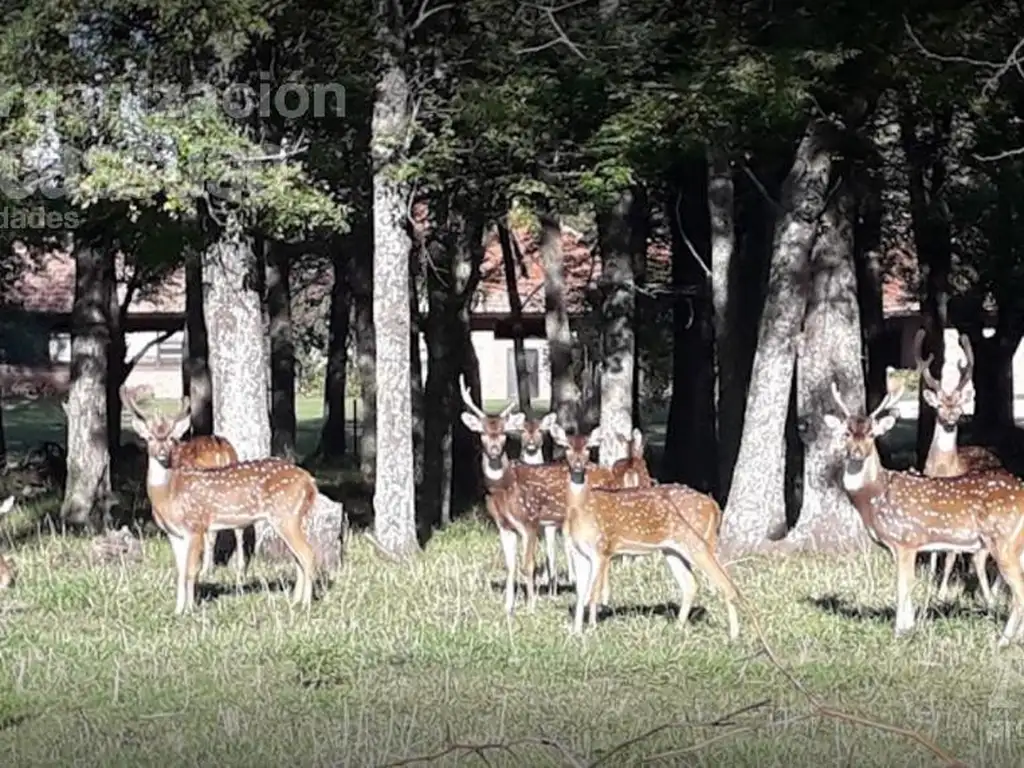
x,y
891,398
924,364
467,398
839,400
508,409
130,402
968,367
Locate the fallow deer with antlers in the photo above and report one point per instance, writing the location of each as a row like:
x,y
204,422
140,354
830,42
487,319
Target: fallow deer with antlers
x,y
607,523
945,458
190,502
908,513
6,571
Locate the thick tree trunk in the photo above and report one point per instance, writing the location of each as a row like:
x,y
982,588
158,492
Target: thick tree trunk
x,y
830,350
195,362
993,384
416,368
927,174
333,434
729,389
282,352
87,492
756,499
622,229
867,244
510,258
395,490
690,455
3,436
565,393
117,373
365,348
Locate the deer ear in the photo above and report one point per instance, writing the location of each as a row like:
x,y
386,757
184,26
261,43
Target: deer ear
x,y
558,435
930,397
834,423
7,505
548,422
515,422
181,426
883,424
595,437
140,427
472,422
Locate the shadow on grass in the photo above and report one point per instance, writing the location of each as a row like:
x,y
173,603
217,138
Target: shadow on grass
x,y
834,605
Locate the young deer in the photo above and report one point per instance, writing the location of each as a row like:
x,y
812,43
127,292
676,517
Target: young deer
x,y
945,458
188,503
6,572
908,513
605,523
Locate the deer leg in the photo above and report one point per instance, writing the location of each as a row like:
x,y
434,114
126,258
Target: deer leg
x,y
980,560
180,547
530,566
947,571
196,544
509,542
290,530
606,590
705,559
600,576
680,570
567,546
933,567
584,583
209,540
1007,555
552,568
905,559
241,564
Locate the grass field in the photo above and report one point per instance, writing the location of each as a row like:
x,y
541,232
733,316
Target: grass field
x,y
396,662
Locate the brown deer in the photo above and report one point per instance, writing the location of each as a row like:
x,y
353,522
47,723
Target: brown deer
x,y
6,571
632,472
531,442
945,458
606,523
908,513
189,502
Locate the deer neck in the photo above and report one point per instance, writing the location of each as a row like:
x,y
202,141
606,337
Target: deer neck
x,y
495,470
865,477
533,459
158,483
942,455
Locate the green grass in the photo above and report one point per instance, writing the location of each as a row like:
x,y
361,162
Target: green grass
x,y
395,660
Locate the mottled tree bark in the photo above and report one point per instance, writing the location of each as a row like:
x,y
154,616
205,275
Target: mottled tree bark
x,y
690,433
87,491
365,348
757,497
511,259
565,392
333,433
195,365
395,490
622,229
416,312
867,242
282,351
729,388
830,350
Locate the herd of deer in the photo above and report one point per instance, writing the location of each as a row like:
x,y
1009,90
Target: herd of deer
x,y
965,501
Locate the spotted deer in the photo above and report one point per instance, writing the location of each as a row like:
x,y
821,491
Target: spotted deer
x,y
977,514
945,458
531,443
189,502
632,472
6,571
604,523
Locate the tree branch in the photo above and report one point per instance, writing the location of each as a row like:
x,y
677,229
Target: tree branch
x,y
1005,154
130,364
550,12
425,13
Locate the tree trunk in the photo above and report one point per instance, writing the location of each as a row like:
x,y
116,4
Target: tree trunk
x,y
233,313
467,486
87,492
830,350
927,172
365,348
511,258
729,388
196,352
621,231
333,434
565,393
867,249
756,499
3,436
117,373
395,490
416,368
689,455
282,352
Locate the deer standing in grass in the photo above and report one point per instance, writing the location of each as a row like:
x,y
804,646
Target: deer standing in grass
x,y
945,458
188,503
908,513
607,523
6,572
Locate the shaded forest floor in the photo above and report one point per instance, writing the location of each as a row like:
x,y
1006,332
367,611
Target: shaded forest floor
x,y
394,662
398,662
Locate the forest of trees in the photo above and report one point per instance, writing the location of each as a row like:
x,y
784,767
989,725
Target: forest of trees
x,y
793,154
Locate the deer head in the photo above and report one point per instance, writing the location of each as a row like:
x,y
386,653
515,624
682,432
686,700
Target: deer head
x,y
861,463
493,430
531,438
577,450
949,405
161,433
